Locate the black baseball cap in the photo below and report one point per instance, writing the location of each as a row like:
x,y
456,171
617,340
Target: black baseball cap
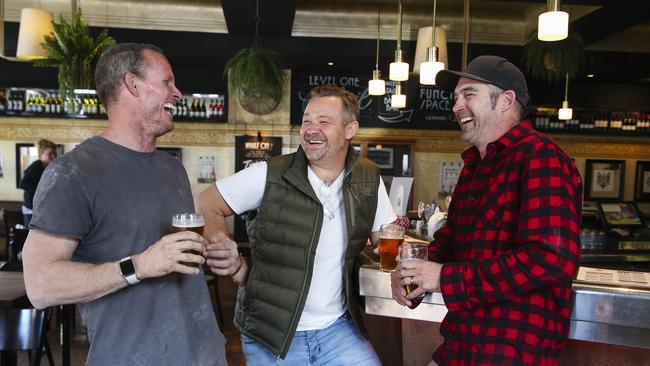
x,y
493,70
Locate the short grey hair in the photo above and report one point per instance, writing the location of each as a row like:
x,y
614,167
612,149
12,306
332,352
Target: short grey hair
x,y
494,92
117,61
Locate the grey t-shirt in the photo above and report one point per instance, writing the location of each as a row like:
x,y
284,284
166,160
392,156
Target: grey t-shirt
x,y
118,202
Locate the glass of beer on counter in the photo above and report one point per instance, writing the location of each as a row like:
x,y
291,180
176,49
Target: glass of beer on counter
x,y
391,236
413,252
189,221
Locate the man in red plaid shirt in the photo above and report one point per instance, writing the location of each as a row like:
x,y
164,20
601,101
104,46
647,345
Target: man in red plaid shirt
x,y
506,258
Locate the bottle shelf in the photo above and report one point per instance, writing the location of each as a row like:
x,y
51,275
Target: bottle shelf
x,y
48,103
592,122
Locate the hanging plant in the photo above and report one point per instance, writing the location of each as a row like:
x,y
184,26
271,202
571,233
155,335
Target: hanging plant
x,y
74,52
551,61
256,75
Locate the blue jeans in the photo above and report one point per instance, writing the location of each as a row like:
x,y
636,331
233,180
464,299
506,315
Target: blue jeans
x,y
340,344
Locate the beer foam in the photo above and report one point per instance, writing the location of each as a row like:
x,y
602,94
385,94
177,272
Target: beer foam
x,y
391,236
187,225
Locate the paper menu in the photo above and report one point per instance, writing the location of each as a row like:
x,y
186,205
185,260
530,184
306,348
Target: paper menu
x,y
400,190
614,277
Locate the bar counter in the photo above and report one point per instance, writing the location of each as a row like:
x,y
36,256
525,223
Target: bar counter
x,y
610,321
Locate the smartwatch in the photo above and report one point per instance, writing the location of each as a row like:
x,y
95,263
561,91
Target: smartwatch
x,y
128,271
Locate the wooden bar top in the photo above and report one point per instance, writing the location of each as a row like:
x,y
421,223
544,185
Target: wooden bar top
x,y
12,288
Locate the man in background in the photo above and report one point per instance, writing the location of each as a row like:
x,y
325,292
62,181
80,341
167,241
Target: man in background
x,y
32,175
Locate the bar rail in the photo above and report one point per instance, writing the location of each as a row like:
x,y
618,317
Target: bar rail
x,y
602,314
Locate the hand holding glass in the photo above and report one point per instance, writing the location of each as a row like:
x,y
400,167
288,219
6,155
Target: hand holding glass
x,y
391,236
189,221
413,252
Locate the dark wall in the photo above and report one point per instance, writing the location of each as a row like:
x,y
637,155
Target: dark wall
x,y
198,59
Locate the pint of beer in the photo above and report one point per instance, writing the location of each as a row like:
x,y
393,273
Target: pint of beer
x,y
413,252
391,236
189,221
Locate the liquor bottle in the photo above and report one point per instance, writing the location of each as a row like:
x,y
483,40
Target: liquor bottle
x,y
212,110
220,105
3,101
193,108
202,112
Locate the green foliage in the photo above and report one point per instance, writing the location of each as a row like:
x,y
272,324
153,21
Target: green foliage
x,y
256,72
74,52
550,61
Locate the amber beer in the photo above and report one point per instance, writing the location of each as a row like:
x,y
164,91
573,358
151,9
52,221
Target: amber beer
x,y
192,222
410,288
196,229
413,252
391,236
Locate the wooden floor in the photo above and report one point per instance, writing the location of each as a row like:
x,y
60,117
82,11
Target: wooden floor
x,y
79,347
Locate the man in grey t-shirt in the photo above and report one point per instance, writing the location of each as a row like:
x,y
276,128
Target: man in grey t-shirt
x,y
99,230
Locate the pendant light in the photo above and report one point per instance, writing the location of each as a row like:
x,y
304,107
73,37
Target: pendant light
x,y
398,100
553,25
430,68
399,70
35,24
565,113
377,86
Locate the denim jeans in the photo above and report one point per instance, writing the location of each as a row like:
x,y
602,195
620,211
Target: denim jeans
x,y
340,344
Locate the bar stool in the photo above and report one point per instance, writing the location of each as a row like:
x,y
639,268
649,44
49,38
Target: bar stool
x,y
23,330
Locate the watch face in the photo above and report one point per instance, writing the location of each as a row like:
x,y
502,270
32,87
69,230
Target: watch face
x,y
126,267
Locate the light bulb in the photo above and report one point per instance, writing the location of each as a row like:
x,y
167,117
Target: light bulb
x,y
553,26
565,113
398,71
398,101
429,70
376,87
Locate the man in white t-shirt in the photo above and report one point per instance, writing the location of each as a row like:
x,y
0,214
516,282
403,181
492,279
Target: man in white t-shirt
x,y
316,209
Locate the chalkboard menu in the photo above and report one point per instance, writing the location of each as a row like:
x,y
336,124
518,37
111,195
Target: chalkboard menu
x,y
248,150
426,107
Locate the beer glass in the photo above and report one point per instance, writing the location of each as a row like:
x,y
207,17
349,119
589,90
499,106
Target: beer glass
x,y
391,236
189,221
413,252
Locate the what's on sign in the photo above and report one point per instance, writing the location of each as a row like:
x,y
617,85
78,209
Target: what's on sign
x,y
251,149
426,107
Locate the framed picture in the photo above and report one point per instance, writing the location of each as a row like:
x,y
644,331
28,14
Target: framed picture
x,y
27,153
382,156
642,183
604,180
176,152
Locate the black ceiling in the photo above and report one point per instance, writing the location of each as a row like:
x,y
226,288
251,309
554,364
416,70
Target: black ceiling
x,y
198,58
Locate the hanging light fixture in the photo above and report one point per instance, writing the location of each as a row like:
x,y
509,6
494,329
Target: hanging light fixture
x,y
565,113
377,86
553,25
425,41
398,100
430,68
399,70
35,24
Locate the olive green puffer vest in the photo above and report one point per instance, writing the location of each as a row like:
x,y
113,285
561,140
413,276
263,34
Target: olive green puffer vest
x,y
284,236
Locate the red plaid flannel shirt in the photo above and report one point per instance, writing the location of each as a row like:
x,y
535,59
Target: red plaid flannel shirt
x,y
510,251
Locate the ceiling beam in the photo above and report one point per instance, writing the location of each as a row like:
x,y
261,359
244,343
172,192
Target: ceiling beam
x,y
276,17
613,17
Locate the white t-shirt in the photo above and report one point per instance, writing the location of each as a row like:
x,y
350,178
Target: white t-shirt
x,y
325,303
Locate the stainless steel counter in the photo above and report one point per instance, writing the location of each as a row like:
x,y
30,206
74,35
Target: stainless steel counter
x,y
603,314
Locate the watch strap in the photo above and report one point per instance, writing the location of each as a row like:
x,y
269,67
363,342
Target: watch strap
x,y
127,268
